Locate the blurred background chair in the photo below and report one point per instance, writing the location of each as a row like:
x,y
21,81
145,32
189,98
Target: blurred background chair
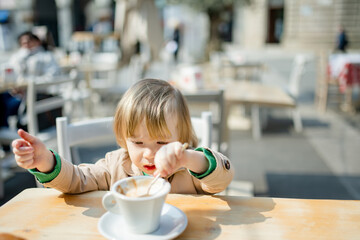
x,y
45,102
104,70
100,72
82,42
203,128
213,101
290,86
235,65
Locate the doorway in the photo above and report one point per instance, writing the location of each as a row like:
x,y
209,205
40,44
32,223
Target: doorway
x,y
275,24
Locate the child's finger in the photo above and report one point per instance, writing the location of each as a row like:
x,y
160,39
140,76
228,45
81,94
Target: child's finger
x,y
161,167
27,136
23,150
28,164
162,173
25,161
180,149
24,158
165,168
18,143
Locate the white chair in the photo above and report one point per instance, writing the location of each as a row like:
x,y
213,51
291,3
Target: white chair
x,y
101,130
203,128
36,107
297,73
82,132
210,101
104,76
292,85
104,79
126,76
101,72
292,89
218,72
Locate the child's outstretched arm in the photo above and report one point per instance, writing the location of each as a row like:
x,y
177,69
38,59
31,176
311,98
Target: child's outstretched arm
x,y
172,156
32,153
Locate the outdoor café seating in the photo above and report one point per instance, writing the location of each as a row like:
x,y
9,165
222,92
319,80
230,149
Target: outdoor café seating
x,y
340,74
273,92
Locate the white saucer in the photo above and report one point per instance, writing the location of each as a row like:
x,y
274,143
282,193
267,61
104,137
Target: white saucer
x,y
172,223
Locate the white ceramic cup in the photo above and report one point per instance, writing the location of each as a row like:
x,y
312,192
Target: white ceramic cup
x,y
141,214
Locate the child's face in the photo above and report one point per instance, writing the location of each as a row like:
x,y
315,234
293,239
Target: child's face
x,y
142,148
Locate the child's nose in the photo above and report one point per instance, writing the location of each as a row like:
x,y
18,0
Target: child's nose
x,y
150,153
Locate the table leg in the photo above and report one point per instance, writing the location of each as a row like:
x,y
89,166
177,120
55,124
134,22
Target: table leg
x,y
297,120
88,78
255,121
347,106
225,125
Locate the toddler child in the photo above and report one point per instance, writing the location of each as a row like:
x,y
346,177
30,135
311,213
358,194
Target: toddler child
x,y
151,124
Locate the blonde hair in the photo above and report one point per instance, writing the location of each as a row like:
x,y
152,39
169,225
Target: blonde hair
x,y
152,100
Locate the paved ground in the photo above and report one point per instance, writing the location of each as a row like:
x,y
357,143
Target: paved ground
x,y
321,162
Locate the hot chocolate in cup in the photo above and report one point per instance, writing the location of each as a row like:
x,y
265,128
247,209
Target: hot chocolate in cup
x,y
141,214
139,187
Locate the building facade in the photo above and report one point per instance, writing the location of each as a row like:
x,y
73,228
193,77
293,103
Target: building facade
x,y
310,24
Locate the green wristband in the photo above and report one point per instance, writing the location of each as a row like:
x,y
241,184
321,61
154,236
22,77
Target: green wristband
x,y
212,163
48,177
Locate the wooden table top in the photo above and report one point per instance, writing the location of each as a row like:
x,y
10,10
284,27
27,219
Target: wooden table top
x,y
39,213
257,93
96,67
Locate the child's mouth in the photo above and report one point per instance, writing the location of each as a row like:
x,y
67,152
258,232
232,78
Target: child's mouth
x,y
150,167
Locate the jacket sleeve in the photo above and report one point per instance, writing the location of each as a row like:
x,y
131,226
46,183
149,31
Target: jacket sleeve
x,y
82,178
220,178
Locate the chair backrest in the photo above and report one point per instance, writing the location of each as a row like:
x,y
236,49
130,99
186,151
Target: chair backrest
x,y
86,131
101,130
84,41
298,70
203,128
51,102
104,78
105,58
214,101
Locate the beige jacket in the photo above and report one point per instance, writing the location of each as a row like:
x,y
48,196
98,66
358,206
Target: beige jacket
x,y
117,165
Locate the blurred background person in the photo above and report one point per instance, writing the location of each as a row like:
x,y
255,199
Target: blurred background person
x,y
31,60
176,38
342,40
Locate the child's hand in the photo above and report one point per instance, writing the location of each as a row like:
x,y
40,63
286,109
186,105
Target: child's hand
x,y
169,158
31,153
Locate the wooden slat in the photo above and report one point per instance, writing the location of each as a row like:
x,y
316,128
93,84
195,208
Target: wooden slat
x,y
49,104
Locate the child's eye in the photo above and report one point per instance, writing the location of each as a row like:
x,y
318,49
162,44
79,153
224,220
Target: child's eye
x,y
162,143
138,143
